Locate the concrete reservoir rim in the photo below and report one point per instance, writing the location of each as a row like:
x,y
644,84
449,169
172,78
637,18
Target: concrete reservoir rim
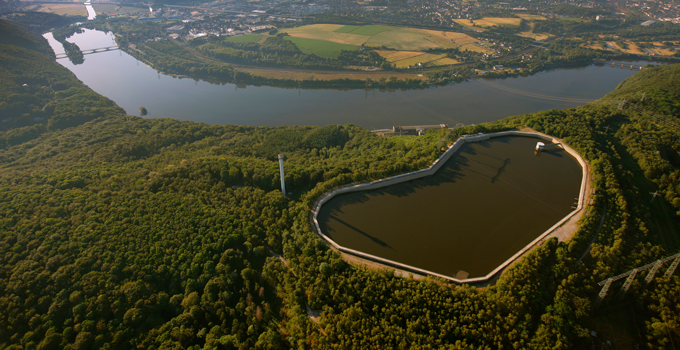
x,y
430,171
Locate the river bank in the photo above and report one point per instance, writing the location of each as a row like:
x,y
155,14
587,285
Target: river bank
x,y
131,83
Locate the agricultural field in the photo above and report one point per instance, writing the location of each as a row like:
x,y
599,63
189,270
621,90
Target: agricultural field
x,y
327,40
446,37
64,9
248,38
403,59
487,22
369,30
571,19
396,38
445,61
475,47
535,36
423,59
321,48
663,49
113,10
326,32
632,48
658,49
531,17
406,39
394,56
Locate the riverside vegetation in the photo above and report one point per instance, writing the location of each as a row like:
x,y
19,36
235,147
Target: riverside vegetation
x,y
119,232
213,58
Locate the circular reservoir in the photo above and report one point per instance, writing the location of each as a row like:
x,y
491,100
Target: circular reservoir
x,y
487,202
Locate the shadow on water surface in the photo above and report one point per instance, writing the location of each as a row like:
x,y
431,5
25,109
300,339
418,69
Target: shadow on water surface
x,y
374,239
500,170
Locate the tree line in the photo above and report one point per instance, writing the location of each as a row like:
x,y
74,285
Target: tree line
x,y
122,232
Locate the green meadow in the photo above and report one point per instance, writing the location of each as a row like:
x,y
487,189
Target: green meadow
x,y
321,48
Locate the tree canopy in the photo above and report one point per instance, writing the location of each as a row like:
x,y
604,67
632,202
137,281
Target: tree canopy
x,y
119,232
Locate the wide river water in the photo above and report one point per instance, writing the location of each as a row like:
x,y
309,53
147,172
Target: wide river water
x,y
132,84
484,205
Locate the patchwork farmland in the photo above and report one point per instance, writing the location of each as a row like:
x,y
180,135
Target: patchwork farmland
x,y
486,22
402,46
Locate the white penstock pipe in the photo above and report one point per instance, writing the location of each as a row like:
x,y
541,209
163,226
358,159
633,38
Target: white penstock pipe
x,y
283,182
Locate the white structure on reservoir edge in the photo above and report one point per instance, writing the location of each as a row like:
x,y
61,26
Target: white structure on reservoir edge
x,y
283,183
540,146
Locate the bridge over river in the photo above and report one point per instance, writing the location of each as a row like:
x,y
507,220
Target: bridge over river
x,y
91,51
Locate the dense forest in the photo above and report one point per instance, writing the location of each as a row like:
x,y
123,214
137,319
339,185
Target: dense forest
x,y
118,232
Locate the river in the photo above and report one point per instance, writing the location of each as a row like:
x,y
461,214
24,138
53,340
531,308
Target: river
x,y
131,84
91,14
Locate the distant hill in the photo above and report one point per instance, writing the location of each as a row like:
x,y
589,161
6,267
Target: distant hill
x,y
41,22
37,93
13,34
658,83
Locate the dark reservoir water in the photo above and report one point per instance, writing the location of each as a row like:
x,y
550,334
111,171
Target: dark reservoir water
x,y
132,84
489,201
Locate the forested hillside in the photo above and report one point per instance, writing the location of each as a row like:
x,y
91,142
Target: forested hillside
x,y
37,94
118,232
12,34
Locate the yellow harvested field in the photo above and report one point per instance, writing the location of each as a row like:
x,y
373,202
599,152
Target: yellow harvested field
x,y
298,75
665,52
326,32
445,61
322,27
404,39
474,47
393,56
663,49
530,17
448,37
396,38
412,61
632,48
65,9
466,23
501,22
490,22
535,36
112,10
